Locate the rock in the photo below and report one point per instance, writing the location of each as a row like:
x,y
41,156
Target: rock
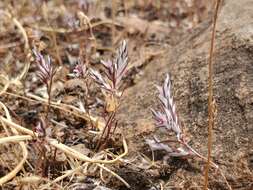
x,y
187,64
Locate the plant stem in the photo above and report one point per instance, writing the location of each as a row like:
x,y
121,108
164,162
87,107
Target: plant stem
x,y
108,124
200,156
210,96
212,163
49,87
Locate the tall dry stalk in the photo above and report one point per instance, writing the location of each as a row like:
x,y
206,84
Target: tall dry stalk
x,y
210,95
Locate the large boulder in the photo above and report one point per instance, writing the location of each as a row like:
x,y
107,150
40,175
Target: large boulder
x,y
187,63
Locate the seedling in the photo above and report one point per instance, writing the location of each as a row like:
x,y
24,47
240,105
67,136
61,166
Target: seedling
x,y
45,73
167,118
114,71
111,85
41,148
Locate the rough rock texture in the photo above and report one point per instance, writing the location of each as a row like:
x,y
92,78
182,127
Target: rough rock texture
x,y
233,91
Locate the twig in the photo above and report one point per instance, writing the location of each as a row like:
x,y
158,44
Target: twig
x,y
27,46
14,139
66,31
27,49
61,106
67,150
210,96
13,173
114,174
64,148
68,108
20,27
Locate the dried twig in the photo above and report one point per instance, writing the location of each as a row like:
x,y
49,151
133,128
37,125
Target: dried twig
x,y
14,139
61,106
69,151
210,95
27,46
19,166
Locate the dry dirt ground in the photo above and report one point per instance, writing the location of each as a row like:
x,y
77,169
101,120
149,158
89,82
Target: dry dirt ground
x,y
162,38
233,87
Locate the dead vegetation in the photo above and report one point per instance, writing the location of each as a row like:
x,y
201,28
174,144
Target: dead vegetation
x,y
59,101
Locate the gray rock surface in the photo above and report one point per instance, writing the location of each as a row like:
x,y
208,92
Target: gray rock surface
x,y
233,87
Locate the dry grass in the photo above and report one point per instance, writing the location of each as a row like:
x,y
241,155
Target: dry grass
x,y
211,100
18,138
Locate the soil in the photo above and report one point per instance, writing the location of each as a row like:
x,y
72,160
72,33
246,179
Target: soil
x,y
187,64
162,38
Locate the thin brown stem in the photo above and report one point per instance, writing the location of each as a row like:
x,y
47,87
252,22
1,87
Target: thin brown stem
x,y
108,124
49,89
200,156
210,96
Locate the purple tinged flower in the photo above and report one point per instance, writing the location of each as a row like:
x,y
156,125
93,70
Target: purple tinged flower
x,y
80,69
167,117
120,63
40,128
100,80
45,69
114,70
